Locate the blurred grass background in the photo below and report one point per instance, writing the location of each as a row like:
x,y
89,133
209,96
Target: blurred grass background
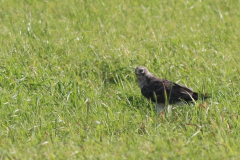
x,y
68,89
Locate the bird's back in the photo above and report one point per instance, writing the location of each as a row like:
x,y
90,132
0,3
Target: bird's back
x,y
162,91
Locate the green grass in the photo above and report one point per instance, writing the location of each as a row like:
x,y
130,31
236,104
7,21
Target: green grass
x,y
68,89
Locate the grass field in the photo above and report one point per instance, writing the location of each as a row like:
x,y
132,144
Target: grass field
x,y
68,89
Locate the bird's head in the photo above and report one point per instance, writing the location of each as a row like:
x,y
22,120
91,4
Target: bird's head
x,y
141,73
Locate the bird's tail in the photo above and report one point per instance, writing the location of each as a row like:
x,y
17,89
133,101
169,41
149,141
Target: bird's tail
x,y
197,96
203,96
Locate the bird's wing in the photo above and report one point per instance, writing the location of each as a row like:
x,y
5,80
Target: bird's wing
x,y
152,90
178,92
161,90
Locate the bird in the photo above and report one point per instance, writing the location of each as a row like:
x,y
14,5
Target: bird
x,y
164,92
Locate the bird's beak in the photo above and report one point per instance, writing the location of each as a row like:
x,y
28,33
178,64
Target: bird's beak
x,y
137,72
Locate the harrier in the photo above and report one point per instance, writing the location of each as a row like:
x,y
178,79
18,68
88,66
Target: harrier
x,y
163,92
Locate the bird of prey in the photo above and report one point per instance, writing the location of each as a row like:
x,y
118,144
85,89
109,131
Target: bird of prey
x,y
163,92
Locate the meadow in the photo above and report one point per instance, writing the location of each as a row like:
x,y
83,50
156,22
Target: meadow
x,y
68,88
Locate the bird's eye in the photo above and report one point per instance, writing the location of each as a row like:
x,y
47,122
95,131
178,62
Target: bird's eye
x,y
141,71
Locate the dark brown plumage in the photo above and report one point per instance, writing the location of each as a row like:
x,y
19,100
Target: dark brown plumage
x,y
167,90
163,91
